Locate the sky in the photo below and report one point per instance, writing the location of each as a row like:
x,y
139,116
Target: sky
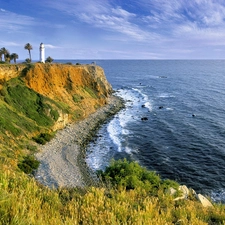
x,y
114,29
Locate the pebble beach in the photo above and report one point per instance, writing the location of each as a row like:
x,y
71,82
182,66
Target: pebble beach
x,y
62,162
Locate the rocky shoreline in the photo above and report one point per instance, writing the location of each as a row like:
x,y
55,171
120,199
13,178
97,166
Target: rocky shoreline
x,y
62,162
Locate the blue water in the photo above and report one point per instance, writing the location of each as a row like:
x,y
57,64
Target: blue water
x,y
174,143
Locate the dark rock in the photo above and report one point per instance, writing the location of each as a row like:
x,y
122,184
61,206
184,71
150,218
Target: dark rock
x,y
144,118
160,107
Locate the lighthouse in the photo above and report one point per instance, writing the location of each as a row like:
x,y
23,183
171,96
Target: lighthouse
x,y
42,53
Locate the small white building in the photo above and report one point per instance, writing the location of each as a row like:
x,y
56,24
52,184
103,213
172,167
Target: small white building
x,y
42,53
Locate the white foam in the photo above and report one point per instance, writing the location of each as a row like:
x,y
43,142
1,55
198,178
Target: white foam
x,y
116,132
114,129
166,95
117,128
218,195
146,100
128,150
149,106
170,109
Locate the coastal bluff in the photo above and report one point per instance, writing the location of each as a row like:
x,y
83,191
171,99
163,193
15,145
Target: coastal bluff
x,y
83,88
36,98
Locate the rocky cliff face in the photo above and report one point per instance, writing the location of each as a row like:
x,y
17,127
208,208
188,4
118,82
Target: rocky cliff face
x,y
8,72
59,93
83,88
62,82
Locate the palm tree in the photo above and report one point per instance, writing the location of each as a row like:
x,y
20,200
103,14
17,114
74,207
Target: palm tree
x,y
7,57
4,52
14,57
1,53
29,47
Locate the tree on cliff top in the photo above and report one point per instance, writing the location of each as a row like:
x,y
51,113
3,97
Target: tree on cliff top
x,y
28,47
1,53
14,57
7,57
4,51
49,60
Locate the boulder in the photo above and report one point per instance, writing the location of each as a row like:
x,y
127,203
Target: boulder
x,y
205,202
184,191
171,191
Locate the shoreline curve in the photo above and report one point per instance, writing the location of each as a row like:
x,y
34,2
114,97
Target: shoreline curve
x,y
62,160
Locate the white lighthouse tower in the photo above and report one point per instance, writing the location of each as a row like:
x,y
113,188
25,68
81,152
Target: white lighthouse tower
x,y
42,53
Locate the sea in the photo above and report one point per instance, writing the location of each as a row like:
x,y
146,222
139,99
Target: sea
x,y
173,122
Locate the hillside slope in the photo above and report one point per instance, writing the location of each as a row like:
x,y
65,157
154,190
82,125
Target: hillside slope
x,y
41,98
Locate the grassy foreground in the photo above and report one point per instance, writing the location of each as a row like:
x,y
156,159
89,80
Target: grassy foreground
x,y
133,196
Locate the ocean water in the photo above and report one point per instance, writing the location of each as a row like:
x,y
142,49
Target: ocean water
x,y
184,136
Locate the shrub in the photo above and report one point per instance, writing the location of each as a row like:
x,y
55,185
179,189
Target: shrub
x,y
77,98
91,92
49,59
54,114
43,138
29,164
32,148
129,175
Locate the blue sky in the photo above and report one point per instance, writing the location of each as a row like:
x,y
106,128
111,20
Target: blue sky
x,y
115,29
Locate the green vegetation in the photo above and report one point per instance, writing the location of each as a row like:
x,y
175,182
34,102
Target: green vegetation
x,y
91,92
14,57
77,98
22,109
130,175
7,56
28,164
28,47
49,59
23,201
34,107
43,138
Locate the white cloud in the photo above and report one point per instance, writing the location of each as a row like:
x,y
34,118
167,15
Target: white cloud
x,y
157,26
122,13
12,21
100,14
8,43
51,46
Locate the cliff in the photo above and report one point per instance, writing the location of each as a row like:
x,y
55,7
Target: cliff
x,y
45,97
81,88
8,72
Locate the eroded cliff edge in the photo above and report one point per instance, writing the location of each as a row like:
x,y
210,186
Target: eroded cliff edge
x,y
81,88
40,97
